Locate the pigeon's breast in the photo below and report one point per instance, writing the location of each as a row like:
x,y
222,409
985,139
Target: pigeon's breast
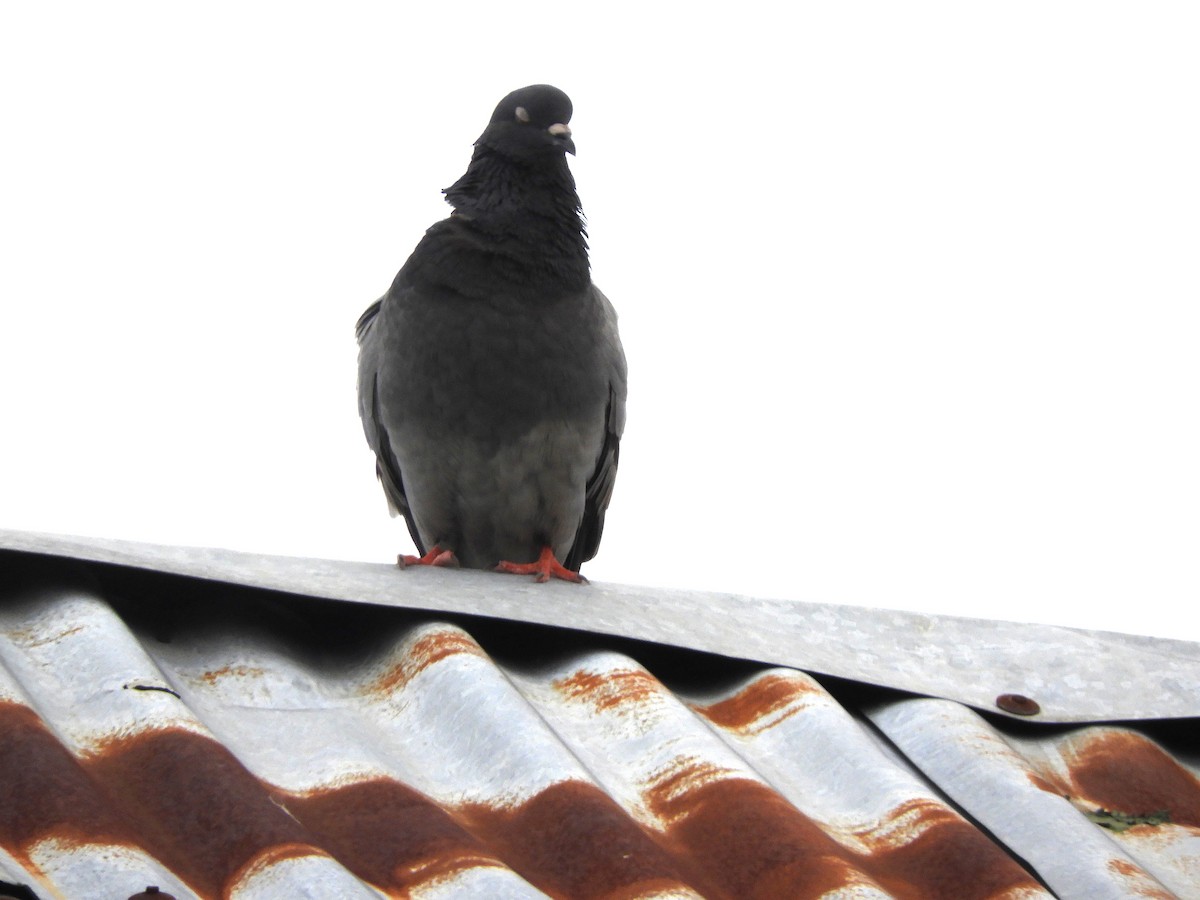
x,y
505,501
494,369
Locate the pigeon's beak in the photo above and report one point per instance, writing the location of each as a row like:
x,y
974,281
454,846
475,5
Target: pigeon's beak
x,y
562,133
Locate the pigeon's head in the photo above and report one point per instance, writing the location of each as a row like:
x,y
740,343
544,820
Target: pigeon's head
x,y
531,124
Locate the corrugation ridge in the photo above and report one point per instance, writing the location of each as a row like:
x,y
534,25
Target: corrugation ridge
x,y
153,776
562,834
728,830
569,838
385,831
985,773
903,835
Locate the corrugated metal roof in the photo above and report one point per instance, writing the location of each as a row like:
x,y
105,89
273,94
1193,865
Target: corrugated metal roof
x,y
1073,675
214,740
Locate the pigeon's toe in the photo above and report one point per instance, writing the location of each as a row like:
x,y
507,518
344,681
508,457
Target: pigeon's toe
x,y
435,557
545,568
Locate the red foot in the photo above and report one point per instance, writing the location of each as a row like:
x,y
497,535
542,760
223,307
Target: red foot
x,y
545,568
435,557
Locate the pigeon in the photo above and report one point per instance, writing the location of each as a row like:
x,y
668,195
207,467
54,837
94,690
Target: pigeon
x,y
492,380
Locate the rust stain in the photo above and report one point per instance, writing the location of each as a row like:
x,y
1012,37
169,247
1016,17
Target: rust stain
x,y
904,822
192,805
32,637
743,839
608,690
924,849
46,792
1143,884
188,802
1129,773
216,675
668,790
763,698
572,840
1049,783
270,857
388,834
421,655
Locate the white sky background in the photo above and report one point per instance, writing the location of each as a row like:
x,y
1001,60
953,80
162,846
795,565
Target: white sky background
x,y
909,291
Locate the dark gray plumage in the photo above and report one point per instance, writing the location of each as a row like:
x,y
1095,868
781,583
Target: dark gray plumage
x,y
491,377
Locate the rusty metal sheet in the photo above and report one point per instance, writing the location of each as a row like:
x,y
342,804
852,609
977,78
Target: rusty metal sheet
x,y
773,768
1099,812
216,742
1146,799
109,783
1074,676
226,758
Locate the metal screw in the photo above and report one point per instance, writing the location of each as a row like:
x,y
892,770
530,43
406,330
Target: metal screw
x,y
1018,705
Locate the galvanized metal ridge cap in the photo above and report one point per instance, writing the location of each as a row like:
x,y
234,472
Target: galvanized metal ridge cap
x,y
1074,675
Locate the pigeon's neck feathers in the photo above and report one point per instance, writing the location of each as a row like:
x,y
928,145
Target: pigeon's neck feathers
x,y
497,183
533,202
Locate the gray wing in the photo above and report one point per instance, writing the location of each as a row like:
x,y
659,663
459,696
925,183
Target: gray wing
x,y
387,468
600,485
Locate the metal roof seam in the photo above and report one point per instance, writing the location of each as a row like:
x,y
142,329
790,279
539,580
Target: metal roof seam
x,y
971,661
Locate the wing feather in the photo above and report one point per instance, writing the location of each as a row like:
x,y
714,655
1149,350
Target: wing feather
x,y
387,467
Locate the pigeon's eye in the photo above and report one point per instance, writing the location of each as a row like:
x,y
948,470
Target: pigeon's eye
x,y
522,114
